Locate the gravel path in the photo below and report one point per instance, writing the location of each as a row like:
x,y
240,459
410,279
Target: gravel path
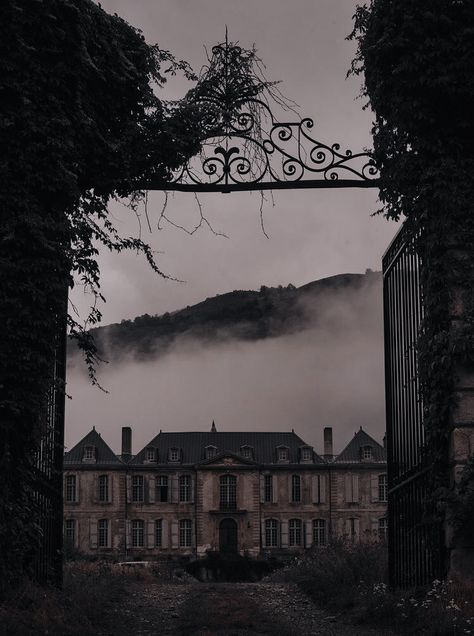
x,y
226,609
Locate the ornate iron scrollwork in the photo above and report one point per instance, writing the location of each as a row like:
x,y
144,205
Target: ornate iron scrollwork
x,y
247,149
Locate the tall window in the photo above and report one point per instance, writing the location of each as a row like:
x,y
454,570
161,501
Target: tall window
x,y
103,533
162,488
268,488
159,533
382,487
71,488
185,488
295,488
228,492
319,532
70,533
138,533
383,527
103,488
271,533
295,534
138,490
185,533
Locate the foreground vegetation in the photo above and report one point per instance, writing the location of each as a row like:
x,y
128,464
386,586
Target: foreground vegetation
x,y
352,580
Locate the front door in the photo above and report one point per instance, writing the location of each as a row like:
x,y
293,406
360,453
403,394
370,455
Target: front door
x,y
228,535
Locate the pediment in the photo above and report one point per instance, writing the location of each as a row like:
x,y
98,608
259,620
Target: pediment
x,y
227,459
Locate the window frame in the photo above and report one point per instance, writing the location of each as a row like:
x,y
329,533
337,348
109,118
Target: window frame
x,y
295,533
271,527
268,488
70,489
227,492
247,452
174,455
159,489
104,491
367,453
184,488
150,455
70,533
103,526
282,454
210,451
137,538
296,488
138,489
89,453
383,488
382,529
185,533
319,536
158,533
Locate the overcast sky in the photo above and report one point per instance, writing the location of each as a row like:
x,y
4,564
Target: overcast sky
x,y
313,233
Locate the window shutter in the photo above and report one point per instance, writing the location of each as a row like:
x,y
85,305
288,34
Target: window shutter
x,y
308,528
356,529
111,487
129,489
191,491
355,488
315,489
374,488
93,533
174,488
151,534
374,526
174,534
262,534
128,533
322,488
289,487
284,534
164,533
77,493
262,488
275,488
348,488
95,489
151,488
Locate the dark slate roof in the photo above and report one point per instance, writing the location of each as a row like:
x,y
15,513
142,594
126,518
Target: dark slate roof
x,y
193,445
352,452
104,454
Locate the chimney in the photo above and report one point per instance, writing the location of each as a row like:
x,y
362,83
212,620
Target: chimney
x,y
126,441
328,441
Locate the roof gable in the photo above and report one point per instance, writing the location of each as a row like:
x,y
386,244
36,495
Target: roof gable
x,y
352,452
104,454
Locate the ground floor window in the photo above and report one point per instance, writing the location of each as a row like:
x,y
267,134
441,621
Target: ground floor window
x,y
159,533
295,533
103,535
319,532
185,533
138,533
271,533
70,533
383,527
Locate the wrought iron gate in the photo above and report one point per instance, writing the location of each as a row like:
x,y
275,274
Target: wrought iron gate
x,y
416,538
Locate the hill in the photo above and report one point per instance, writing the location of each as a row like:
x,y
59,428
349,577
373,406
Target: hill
x,y
239,315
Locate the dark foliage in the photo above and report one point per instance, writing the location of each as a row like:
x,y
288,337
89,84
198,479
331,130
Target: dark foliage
x,y
79,124
417,57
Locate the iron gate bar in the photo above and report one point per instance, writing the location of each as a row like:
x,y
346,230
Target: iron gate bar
x,y
246,187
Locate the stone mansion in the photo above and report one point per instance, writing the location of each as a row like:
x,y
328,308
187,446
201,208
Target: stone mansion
x,y
258,493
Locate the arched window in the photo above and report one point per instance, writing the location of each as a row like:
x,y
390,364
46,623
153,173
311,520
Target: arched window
x,y
382,487
185,488
319,532
295,488
228,492
138,533
271,533
295,534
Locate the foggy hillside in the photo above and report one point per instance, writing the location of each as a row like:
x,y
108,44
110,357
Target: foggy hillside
x,y
274,359
237,315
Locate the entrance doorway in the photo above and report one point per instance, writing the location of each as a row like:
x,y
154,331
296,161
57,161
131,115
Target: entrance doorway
x,y
228,535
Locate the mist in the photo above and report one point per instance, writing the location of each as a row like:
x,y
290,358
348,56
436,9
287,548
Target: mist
x,y
328,374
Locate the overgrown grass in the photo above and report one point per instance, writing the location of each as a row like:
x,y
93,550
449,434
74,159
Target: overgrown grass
x,y
84,607
353,579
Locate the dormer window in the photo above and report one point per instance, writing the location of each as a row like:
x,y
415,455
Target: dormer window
x,y
306,454
89,454
174,455
366,453
150,454
211,451
282,454
246,452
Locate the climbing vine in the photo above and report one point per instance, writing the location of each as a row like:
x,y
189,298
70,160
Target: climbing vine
x,y
417,58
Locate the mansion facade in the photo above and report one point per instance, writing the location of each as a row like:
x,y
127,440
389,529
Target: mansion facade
x,y
256,493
